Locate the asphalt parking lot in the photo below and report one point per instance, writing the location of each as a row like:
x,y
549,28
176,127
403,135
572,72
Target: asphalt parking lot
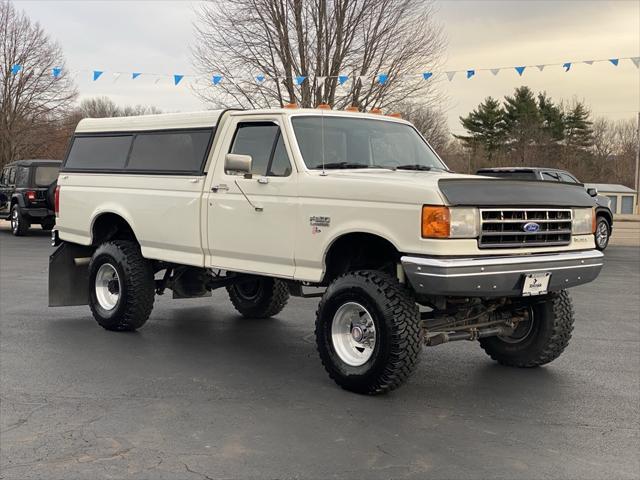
x,y
200,393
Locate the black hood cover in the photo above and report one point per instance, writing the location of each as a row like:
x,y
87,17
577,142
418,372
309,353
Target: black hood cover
x,y
482,192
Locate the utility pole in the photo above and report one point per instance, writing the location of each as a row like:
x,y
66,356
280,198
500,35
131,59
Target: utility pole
x,y
637,185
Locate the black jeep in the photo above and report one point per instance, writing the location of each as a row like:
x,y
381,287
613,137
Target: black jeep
x,y
27,189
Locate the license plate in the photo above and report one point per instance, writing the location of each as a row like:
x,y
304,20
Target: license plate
x,y
536,284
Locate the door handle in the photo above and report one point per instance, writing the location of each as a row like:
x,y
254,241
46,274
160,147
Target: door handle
x,y
219,188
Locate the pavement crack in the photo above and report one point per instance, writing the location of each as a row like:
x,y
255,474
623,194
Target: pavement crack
x,y
203,475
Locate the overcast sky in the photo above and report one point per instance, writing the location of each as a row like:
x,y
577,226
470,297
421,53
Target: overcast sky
x,y
154,36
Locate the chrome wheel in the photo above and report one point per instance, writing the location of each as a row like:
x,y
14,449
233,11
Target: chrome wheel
x,y
602,234
15,220
353,334
522,330
107,286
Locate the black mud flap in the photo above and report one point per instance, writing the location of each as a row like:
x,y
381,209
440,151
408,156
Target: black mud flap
x,y
69,275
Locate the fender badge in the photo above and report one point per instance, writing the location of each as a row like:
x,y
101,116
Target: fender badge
x,y
319,221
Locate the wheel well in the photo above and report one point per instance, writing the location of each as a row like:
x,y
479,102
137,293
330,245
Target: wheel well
x,y
110,226
605,214
360,251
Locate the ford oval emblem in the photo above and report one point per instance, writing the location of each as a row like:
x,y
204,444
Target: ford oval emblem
x,y
531,227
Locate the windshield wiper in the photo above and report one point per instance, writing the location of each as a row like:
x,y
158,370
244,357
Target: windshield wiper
x,y
342,165
415,166
348,165
419,167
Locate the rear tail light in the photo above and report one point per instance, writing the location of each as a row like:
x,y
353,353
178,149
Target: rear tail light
x,y
56,200
31,195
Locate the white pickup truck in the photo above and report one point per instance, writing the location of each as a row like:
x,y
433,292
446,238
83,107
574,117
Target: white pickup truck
x,y
356,208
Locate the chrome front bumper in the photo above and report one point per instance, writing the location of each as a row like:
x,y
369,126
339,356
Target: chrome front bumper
x,y
498,276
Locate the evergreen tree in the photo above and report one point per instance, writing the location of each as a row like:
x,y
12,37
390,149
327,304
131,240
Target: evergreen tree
x,y
523,121
552,118
485,125
578,129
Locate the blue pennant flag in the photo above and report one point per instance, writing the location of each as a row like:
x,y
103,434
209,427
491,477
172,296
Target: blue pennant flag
x,y
216,79
520,70
427,75
299,79
15,69
96,74
566,66
259,78
56,71
177,78
470,73
382,78
342,79
614,61
135,75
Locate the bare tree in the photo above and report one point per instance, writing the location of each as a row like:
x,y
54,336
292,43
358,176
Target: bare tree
x,y
320,40
429,121
32,99
100,107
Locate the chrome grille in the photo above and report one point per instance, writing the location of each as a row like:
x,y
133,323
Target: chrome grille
x,y
505,227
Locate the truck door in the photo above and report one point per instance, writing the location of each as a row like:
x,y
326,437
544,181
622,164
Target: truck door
x,y
250,221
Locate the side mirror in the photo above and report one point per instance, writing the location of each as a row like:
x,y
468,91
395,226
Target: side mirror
x,y
240,164
592,191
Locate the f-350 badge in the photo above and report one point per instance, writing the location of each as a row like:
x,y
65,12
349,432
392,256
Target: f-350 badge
x,y
317,222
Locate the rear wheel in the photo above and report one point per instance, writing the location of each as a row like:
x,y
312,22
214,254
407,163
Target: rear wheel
x,y
540,338
19,224
48,224
259,297
368,333
121,284
603,233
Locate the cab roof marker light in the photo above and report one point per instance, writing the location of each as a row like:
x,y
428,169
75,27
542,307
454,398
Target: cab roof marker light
x,y
352,108
291,105
324,106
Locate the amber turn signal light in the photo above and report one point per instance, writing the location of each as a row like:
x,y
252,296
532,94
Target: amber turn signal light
x,y
594,221
436,222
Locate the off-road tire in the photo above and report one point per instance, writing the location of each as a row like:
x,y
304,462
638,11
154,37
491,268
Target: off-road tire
x,y
48,224
399,337
552,326
19,224
269,300
137,286
601,245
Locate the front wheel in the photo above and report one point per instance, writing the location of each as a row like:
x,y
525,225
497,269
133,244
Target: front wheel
x,y
538,339
603,233
121,286
19,224
368,333
258,297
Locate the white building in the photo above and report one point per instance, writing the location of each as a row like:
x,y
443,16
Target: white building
x,y
623,199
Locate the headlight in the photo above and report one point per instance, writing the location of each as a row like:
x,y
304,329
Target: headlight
x,y
584,221
449,222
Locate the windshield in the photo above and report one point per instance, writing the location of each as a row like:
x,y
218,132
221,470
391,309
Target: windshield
x,y
362,143
45,176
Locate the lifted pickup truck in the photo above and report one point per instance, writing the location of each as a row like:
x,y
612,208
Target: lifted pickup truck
x,y
268,203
